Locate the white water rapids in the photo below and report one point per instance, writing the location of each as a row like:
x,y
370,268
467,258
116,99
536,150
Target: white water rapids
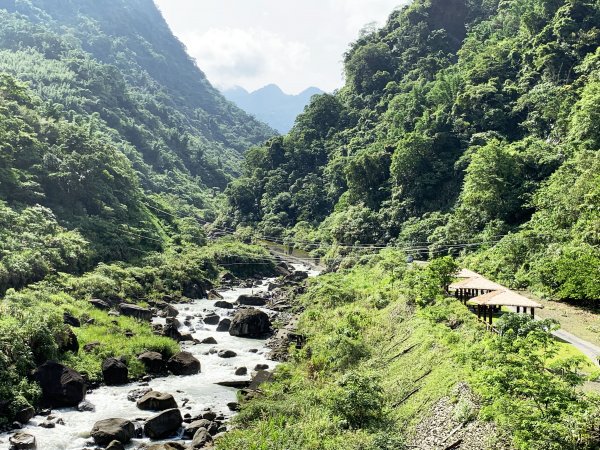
x,y
200,389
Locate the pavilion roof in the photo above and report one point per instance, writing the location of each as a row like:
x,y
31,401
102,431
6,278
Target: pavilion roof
x,y
466,273
477,282
504,298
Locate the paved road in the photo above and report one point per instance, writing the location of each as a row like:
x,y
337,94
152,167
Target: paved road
x,y
592,351
587,348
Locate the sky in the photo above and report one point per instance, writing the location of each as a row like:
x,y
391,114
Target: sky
x,y
295,44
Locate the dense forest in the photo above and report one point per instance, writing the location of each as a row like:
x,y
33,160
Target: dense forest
x,y
465,127
467,134
114,120
114,147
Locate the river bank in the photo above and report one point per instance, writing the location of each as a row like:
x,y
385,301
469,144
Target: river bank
x,y
228,362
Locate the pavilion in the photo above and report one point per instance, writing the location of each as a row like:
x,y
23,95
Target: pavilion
x,y
492,301
473,287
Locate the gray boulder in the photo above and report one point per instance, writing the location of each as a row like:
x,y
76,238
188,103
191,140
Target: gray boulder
x,y
224,325
251,300
61,385
153,362
106,431
184,363
163,424
136,312
114,372
22,441
156,401
250,322
201,439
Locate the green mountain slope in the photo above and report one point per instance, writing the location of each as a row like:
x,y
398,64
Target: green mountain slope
x,y
114,120
465,127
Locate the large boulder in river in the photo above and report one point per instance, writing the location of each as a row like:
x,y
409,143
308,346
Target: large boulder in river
x,y
135,311
163,424
211,319
251,300
61,386
156,401
22,441
108,430
114,372
153,362
201,439
184,363
250,323
224,325
223,304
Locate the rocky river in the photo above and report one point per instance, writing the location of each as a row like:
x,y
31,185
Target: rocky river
x,y
233,360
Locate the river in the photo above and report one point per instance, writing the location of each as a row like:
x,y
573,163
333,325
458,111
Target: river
x,y
200,390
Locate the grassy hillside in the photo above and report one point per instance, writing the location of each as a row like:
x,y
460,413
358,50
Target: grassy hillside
x,y
390,363
465,127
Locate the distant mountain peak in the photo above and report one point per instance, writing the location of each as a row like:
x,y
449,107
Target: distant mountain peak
x,y
271,104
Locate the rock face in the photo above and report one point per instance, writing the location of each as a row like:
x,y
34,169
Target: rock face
x,y
154,362
250,323
251,300
114,372
184,363
224,325
156,401
22,441
106,431
209,340
135,311
163,424
61,386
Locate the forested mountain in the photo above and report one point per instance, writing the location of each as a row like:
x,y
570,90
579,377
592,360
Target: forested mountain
x,y
271,105
464,127
104,116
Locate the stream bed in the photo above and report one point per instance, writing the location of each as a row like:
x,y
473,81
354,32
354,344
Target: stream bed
x,y
198,392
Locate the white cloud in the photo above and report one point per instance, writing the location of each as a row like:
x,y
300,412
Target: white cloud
x,y
358,13
235,56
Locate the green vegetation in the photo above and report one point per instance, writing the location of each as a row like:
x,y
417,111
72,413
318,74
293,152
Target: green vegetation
x,y
382,349
466,127
32,329
103,119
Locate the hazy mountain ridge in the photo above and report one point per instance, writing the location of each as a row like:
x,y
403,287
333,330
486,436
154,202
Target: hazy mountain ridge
x,y
271,105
